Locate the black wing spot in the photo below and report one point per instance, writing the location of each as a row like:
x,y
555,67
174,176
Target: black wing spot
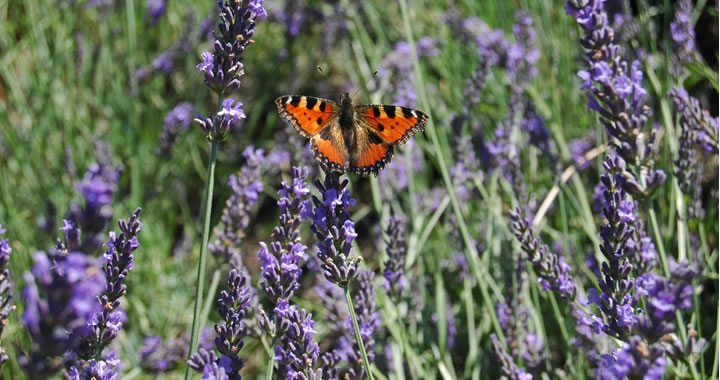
x,y
392,127
319,120
381,127
295,101
376,111
390,111
322,107
311,103
396,123
407,112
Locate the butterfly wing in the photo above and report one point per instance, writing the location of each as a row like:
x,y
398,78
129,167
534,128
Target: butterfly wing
x,y
329,147
378,129
307,114
393,124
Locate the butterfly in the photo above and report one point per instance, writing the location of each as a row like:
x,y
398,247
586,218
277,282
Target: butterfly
x,y
359,139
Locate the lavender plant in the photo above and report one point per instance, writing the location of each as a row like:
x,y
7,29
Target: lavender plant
x,y
222,70
6,295
232,307
104,326
246,187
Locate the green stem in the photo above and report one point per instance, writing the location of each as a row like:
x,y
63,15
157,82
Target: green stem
x,y
209,301
203,256
366,362
271,362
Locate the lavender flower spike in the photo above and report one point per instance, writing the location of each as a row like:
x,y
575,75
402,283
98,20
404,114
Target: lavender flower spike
x,y
218,127
105,325
280,263
246,187
5,290
616,302
552,269
396,251
297,353
223,67
232,307
334,230
176,121
682,32
614,89
509,369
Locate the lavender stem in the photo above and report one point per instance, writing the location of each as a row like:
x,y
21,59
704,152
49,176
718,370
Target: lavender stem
x,y
356,327
271,361
194,335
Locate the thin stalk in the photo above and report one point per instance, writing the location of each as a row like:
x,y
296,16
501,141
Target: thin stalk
x,y
209,301
366,362
271,362
194,335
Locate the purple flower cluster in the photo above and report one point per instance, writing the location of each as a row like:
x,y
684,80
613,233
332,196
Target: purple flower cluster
x,y
218,127
176,121
5,289
395,264
158,356
636,360
334,230
616,303
280,263
246,187
232,306
509,369
104,325
297,353
553,271
155,11
703,128
97,188
106,369
396,70
223,67
61,298
682,32
368,320
614,89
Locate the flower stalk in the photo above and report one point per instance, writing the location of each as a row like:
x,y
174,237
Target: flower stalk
x,y
356,327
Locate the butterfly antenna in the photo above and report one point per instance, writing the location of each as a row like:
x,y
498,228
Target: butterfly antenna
x,y
320,69
366,83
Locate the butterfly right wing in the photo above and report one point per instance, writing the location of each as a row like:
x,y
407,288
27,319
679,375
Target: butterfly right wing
x,y
317,119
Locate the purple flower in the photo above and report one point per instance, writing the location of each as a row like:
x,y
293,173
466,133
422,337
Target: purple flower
x,y
232,307
509,369
225,119
396,70
97,188
246,187
296,354
6,286
237,27
614,90
334,230
106,369
682,32
61,297
395,263
176,121
156,9
368,320
553,272
618,246
635,360
158,356
280,264
105,323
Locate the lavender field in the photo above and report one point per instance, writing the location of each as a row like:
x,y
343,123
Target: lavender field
x,y
176,204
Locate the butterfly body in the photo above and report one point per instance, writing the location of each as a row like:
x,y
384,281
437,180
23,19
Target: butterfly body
x,y
358,139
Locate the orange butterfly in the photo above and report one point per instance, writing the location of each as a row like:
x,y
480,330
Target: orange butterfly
x,y
357,139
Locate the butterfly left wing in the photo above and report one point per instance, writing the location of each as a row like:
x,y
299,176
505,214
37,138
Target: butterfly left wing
x,y
393,124
307,114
